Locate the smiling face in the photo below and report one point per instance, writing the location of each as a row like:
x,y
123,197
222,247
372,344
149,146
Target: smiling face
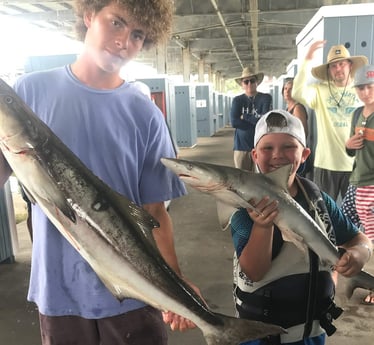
x,y
275,150
112,38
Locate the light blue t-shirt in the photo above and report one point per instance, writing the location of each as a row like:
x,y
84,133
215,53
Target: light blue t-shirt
x,y
120,135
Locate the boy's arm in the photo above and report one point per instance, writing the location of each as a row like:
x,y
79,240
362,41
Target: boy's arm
x,y
256,257
357,245
164,238
358,252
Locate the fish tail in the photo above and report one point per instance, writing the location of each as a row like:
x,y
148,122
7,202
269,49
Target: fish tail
x,y
363,280
350,287
235,331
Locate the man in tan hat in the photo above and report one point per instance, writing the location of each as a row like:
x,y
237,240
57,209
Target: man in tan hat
x,y
333,99
246,110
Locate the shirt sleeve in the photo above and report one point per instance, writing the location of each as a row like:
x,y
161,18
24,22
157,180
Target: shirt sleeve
x,y
344,229
301,91
241,227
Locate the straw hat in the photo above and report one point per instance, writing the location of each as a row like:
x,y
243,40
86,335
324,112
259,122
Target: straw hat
x,y
247,73
338,53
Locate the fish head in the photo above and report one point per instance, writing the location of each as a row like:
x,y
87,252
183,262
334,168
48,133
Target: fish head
x,y
219,181
18,131
201,176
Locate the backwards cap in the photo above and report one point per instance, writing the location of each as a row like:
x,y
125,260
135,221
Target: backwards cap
x,y
280,121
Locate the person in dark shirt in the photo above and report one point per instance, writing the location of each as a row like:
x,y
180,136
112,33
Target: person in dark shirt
x,y
246,110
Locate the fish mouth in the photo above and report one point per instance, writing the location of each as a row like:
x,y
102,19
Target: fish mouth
x,y
186,176
189,179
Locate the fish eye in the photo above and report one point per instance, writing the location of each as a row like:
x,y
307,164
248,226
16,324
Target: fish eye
x,y
189,167
8,100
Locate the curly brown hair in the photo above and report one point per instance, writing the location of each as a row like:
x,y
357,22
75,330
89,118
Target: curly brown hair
x,y
155,15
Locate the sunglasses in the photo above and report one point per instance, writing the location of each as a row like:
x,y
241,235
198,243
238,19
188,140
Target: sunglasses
x,y
252,81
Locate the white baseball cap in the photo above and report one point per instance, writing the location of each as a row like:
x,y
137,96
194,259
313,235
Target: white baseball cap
x,y
280,121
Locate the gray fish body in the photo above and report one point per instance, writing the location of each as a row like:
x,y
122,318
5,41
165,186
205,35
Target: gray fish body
x,y
112,233
233,188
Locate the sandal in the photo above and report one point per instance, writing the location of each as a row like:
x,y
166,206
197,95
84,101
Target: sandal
x,y
369,299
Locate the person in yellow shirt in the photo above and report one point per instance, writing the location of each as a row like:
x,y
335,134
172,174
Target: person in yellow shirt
x,y
333,98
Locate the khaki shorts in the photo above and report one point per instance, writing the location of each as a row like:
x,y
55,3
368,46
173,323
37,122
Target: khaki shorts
x,y
243,160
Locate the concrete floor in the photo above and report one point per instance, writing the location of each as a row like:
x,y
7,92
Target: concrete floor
x,y
205,255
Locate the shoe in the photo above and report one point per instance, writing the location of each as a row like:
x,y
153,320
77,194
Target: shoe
x,y
369,299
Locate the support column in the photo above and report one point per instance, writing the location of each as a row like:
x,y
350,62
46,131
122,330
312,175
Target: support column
x,y
223,84
186,58
217,85
211,73
201,65
161,59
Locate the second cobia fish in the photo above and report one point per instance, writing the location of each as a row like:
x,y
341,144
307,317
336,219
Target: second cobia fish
x,y
233,188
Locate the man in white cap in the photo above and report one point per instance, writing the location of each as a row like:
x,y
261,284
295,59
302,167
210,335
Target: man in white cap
x,y
246,110
333,99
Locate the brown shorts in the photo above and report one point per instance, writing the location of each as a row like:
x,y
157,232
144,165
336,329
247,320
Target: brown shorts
x,y
139,327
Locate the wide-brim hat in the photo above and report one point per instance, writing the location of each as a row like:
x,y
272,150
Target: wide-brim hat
x,y
338,53
247,73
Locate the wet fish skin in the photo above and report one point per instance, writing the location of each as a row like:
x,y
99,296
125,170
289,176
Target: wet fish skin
x,y
232,189
112,234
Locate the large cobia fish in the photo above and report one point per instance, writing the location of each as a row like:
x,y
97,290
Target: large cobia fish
x,y
113,234
233,188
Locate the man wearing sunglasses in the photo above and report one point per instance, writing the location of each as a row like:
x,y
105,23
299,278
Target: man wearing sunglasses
x,y
246,110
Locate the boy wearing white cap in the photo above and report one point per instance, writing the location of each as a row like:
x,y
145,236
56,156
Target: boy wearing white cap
x,y
360,145
274,281
333,99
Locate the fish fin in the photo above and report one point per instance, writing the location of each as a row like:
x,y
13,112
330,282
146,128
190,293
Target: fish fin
x,y
280,176
143,221
55,197
290,236
115,289
66,209
42,186
28,194
225,213
235,331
